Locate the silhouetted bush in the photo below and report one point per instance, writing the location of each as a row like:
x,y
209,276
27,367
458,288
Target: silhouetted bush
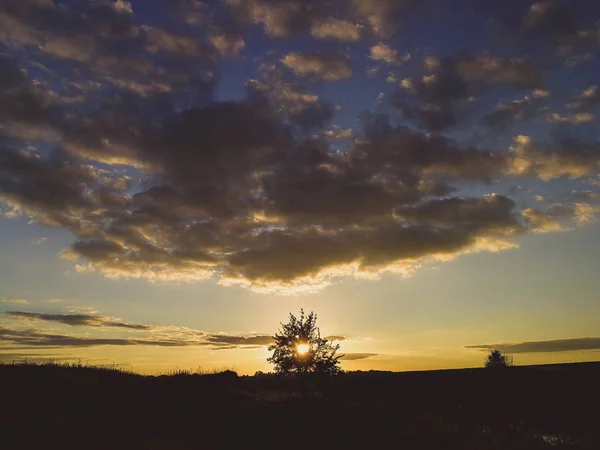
x,y
497,360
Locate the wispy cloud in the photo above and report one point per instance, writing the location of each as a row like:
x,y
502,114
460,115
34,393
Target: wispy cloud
x,y
559,345
38,339
223,339
357,356
13,301
147,335
86,320
33,338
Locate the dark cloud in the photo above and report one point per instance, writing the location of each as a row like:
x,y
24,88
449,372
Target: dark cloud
x,y
302,109
585,196
159,335
442,96
236,341
559,345
25,109
164,337
109,129
52,189
589,99
567,28
85,320
357,356
516,111
104,43
558,21
336,338
36,338
402,152
491,212
489,69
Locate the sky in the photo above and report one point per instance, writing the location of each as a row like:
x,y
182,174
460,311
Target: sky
x,y
177,176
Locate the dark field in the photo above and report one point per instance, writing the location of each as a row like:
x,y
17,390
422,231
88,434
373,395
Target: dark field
x,y
535,407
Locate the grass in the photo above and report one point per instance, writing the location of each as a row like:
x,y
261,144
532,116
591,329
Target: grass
x,y
51,405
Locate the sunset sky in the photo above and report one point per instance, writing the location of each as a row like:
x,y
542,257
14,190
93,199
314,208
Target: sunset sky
x,y
176,176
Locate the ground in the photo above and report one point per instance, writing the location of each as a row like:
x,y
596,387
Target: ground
x,y
77,407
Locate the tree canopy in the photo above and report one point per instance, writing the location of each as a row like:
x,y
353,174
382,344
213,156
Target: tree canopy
x,y
299,348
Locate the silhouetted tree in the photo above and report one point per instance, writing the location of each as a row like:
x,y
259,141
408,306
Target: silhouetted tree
x,y
497,359
299,348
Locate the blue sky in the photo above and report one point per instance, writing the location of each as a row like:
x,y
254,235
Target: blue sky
x,y
176,177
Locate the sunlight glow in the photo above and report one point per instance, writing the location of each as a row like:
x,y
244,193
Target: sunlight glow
x,y
302,349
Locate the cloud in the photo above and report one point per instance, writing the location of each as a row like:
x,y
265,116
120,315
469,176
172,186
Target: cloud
x,y
86,320
279,19
338,133
585,196
323,20
383,52
336,338
335,29
589,99
282,19
303,109
490,69
555,24
383,16
235,341
160,40
435,100
441,97
228,45
516,111
13,301
111,128
39,339
541,222
357,356
322,66
14,334
569,158
557,21
192,13
107,45
162,336
559,345
574,119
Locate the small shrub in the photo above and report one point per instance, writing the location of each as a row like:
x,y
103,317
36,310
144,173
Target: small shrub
x,y
496,359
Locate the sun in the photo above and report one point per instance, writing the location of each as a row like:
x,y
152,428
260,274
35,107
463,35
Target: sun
x,y
302,348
